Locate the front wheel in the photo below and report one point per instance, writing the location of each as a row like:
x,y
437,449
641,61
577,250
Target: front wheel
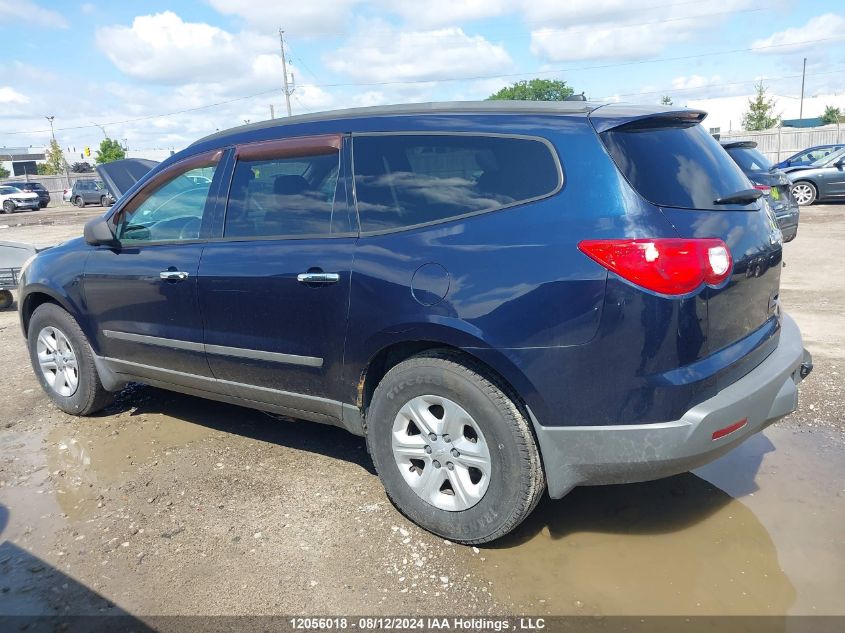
x,y
104,201
63,361
79,202
6,299
805,193
8,206
454,452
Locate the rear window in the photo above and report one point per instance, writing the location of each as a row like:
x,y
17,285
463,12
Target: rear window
x,y
750,159
404,180
674,163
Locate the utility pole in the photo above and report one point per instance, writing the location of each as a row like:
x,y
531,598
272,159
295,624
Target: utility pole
x,y
50,119
287,90
102,129
803,75
272,112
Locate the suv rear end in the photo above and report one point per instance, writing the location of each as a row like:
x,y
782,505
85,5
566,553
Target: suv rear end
x,y
773,182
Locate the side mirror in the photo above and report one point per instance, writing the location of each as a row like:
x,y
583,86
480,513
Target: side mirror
x,y
98,232
840,163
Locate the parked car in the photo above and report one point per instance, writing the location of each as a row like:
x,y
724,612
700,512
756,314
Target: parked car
x,y
90,192
808,156
502,297
13,199
824,180
33,187
771,181
66,194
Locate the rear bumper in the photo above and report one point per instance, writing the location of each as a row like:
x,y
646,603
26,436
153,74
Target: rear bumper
x,y
594,455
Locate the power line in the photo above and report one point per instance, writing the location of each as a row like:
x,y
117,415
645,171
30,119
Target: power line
x,y
447,79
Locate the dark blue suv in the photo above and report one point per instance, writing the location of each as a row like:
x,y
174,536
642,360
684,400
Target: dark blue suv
x,y
503,297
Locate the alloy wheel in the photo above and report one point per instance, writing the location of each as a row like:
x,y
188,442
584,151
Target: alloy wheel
x,y
803,193
58,361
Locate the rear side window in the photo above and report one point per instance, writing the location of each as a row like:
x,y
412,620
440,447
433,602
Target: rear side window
x,y
674,163
750,159
403,180
285,197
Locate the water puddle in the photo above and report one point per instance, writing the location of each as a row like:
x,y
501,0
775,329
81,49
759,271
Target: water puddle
x,y
85,457
757,532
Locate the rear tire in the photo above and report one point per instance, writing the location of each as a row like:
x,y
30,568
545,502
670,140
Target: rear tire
x,y
482,506
75,386
6,299
805,193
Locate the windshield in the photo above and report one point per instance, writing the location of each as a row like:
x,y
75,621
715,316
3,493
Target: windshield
x,y
829,159
750,159
5,191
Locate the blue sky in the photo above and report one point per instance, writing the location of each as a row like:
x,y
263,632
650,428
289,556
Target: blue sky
x,y
111,62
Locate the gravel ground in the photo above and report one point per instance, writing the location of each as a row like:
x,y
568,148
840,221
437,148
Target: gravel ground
x,y
168,504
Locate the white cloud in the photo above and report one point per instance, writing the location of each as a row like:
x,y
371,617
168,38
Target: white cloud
x,y
445,12
303,18
693,81
163,48
10,95
791,40
379,53
32,13
618,29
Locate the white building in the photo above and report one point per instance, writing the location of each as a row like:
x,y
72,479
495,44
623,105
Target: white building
x,y
726,113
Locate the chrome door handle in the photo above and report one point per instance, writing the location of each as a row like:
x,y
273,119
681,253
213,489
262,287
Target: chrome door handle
x,y
318,278
173,275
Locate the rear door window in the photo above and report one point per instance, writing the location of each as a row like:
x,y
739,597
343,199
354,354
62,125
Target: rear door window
x,y
404,180
285,196
674,163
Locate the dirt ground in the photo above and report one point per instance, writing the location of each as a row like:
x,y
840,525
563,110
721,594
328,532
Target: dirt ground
x,y
168,504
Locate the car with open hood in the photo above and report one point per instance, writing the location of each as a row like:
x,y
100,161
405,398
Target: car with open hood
x,y
822,181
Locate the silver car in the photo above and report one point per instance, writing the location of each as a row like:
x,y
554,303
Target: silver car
x,y
822,180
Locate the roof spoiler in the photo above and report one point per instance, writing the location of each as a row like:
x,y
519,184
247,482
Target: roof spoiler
x,y
608,117
736,144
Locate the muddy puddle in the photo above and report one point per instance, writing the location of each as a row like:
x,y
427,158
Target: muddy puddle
x,y
760,531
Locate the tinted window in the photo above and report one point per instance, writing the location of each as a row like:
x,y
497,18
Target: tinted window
x,y
281,197
404,180
750,159
830,159
674,164
170,211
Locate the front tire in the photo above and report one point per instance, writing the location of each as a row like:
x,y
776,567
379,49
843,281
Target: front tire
x,y
454,452
79,202
104,201
805,193
63,361
8,206
6,299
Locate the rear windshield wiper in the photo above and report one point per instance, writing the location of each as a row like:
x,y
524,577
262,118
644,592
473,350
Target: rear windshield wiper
x,y
746,196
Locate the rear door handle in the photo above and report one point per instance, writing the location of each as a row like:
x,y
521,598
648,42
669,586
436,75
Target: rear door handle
x,y
173,275
318,278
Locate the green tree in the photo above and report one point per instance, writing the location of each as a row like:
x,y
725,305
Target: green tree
x,y
4,173
110,150
666,100
54,160
831,114
761,111
535,90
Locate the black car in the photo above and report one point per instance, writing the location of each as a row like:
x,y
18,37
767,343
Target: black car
x,y
33,187
773,182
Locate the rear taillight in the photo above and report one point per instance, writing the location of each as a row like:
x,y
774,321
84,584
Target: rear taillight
x,y
764,188
670,266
